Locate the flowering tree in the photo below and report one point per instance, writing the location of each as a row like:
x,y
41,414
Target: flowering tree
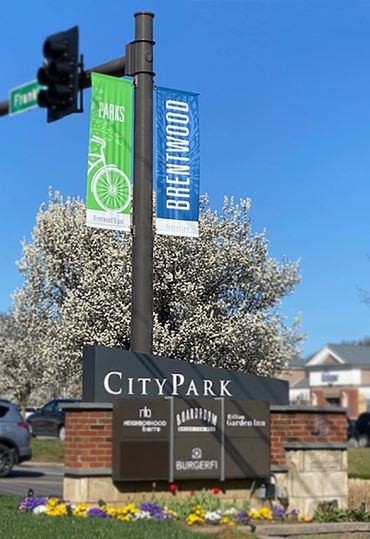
x,y
22,349
216,298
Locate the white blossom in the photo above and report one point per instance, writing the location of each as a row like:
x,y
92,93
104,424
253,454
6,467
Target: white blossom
x,y
217,299
142,515
213,516
39,509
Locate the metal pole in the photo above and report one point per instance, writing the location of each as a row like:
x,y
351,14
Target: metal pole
x,y
142,248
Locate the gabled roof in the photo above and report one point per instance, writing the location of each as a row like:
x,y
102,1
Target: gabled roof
x,y
298,363
302,384
343,354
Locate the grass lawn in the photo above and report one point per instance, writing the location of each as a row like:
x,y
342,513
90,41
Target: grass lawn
x,y
359,462
47,450
17,525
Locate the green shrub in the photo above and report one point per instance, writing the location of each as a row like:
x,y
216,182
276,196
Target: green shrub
x,y
329,512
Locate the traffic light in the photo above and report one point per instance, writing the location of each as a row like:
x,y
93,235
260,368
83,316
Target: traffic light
x,y
59,75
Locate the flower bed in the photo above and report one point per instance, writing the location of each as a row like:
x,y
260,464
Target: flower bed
x,y
195,510
56,507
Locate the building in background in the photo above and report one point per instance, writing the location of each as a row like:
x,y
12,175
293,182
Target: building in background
x,y
337,375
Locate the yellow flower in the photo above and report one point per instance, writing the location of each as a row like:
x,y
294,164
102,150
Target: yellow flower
x,y
227,520
112,511
80,510
57,511
265,513
253,513
198,510
52,502
130,508
193,519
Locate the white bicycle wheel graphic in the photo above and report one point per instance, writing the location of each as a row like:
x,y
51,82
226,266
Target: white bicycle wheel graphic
x,y
111,189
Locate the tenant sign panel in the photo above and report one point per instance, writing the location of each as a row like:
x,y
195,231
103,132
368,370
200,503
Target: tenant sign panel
x,y
141,436
197,439
174,439
247,438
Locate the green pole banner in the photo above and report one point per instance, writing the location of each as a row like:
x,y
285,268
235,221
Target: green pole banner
x,y
108,203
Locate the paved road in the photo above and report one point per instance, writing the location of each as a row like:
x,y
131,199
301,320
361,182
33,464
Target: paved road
x,y
45,480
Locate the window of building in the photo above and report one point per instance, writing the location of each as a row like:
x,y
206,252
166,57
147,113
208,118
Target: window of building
x,y
333,401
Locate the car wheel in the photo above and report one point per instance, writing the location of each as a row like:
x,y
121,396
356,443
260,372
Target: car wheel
x,y
6,460
62,433
363,440
352,442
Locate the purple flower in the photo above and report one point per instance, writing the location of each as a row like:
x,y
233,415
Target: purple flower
x,y
155,510
29,504
150,507
278,512
97,512
293,513
243,518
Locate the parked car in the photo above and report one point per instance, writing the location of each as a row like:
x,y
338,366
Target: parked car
x,y
351,433
14,438
29,410
49,420
362,429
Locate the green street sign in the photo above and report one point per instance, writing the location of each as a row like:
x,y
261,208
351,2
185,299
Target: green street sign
x,y
24,97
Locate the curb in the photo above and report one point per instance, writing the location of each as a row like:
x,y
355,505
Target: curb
x,y
298,530
35,464
283,531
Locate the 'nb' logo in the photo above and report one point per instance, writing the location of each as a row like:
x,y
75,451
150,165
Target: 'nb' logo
x,y
145,413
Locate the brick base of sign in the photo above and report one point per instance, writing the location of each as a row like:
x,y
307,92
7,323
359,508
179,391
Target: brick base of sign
x,y
308,459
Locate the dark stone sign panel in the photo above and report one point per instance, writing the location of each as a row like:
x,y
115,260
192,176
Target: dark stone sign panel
x,y
197,457
112,373
141,440
142,461
246,457
197,439
247,439
173,438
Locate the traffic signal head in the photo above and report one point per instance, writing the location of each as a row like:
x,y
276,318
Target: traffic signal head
x,y
59,75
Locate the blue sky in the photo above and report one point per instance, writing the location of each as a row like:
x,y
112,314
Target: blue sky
x,y
285,119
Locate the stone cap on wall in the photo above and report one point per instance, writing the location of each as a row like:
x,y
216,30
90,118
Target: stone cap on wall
x,y
86,405
87,472
309,409
273,408
297,446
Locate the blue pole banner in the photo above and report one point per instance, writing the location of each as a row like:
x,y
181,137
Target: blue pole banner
x,y
177,162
